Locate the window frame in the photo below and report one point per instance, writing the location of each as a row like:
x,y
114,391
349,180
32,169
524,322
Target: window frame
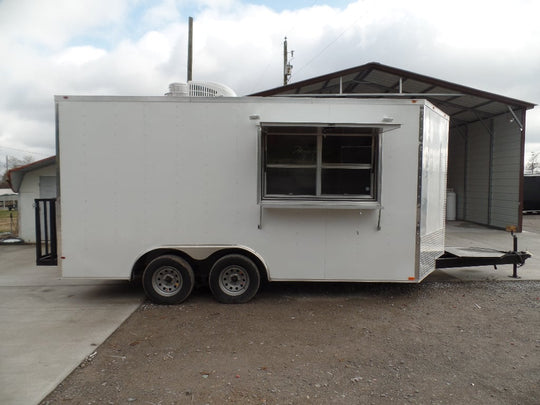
x,y
371,200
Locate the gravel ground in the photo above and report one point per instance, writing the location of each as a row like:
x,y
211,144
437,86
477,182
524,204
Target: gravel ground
x,y
443,342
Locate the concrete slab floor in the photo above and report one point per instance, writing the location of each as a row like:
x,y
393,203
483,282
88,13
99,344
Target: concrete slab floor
x,y
50,325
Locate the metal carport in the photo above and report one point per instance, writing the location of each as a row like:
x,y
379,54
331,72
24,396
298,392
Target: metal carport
x,y
487,134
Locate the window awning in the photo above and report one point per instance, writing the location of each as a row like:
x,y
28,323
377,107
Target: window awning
x,y
382,126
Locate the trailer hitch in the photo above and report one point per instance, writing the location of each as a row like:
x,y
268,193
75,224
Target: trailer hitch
x,y
471,257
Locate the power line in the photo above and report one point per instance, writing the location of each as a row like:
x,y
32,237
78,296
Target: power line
x,y
25,151
326,47
291,29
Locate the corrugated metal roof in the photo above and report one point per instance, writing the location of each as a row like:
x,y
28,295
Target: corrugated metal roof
x,y
463,104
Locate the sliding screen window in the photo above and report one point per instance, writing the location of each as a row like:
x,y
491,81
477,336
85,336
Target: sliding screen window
x,y
319,163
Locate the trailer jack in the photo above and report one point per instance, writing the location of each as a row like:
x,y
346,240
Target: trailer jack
x,y
512,229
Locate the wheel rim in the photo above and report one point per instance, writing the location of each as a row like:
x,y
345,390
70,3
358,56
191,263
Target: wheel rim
x,y
167,281
234,280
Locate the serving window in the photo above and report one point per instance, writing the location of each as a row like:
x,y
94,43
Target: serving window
x,y
318,163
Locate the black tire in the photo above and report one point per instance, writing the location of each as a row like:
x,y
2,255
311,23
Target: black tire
x,y
168,279
234,279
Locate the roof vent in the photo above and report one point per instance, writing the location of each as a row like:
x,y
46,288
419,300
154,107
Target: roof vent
x,y
178,90
200,89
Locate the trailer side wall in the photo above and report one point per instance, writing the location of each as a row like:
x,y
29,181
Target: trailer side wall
x,y
140,173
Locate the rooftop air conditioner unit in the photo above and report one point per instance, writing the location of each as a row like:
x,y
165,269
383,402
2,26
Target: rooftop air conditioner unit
x,y
200,89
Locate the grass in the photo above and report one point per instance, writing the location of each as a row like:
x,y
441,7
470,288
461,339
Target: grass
x,y
5,213
5,221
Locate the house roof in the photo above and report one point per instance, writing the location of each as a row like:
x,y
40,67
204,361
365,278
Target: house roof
x,y
15,176
463,104
6,192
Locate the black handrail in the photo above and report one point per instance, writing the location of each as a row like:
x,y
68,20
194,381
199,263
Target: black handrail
x,y
46,243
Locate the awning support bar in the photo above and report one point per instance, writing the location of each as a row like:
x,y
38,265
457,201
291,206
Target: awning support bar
x,y
516,119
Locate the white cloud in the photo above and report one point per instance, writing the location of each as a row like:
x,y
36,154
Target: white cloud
x,y
79,55
155,47
161,14
140,46
490,25
532,131
54,22
37,139
530,148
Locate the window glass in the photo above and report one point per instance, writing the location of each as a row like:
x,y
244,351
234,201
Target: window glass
x,y
347,149
289,181
315,162
346,182
291,149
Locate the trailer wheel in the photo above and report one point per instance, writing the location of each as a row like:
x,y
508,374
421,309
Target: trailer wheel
x,y
234,279
168,279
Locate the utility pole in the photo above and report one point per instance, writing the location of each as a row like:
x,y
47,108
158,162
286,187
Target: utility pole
x,y
190,50
287,67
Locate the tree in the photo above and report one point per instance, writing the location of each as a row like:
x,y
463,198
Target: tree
x,y
12,162
533,164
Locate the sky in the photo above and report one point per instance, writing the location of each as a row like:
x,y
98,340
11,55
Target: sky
x,y
138,47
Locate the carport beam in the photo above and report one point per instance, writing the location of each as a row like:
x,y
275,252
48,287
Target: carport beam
x,y
515,118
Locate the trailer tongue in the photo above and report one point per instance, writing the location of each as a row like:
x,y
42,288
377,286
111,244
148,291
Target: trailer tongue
x,y
471,257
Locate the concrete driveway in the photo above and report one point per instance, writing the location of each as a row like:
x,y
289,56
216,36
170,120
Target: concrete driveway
x,y
50,325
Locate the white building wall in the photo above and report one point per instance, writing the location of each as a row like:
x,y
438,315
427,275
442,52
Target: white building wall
x,y
29,191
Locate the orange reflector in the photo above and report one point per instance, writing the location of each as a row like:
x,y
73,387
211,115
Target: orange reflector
x,y
411,278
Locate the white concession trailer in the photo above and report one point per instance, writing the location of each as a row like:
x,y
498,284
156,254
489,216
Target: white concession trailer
x,y
233,190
